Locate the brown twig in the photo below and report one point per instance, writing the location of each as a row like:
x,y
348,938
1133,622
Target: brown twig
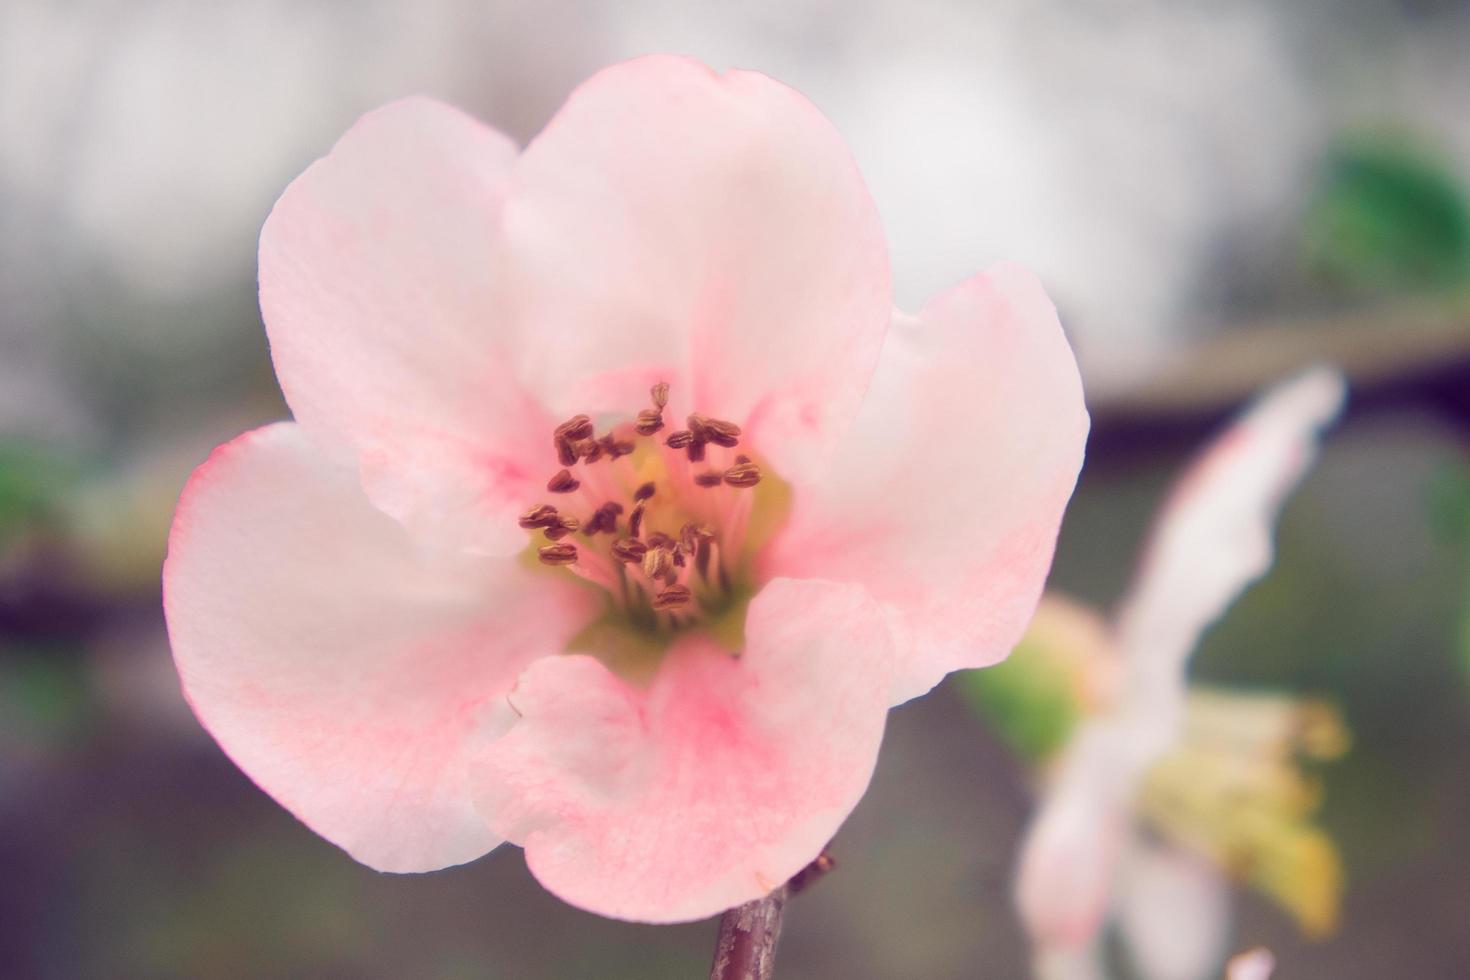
x,y
746,946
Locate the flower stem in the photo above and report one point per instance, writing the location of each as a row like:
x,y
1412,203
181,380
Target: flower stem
x,y
746,947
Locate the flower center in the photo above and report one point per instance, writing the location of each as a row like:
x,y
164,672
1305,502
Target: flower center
x,y
664,523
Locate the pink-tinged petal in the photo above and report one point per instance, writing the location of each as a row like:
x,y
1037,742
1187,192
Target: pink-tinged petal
x,y
716,783
948,494
375,286
1069,857
711,228
1173,910
342,668
1257,964
1213,538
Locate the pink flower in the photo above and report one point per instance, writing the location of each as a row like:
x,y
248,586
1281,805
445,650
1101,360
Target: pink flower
x,y
1084,859
603,527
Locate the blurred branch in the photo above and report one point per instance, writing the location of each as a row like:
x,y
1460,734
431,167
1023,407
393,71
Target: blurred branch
x,y
1415,357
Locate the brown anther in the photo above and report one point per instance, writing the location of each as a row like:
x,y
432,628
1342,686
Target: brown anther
x,y
657,562
679,439
673,597
542,515
696,450
629,550
643,492
622,447
649,421
635,520
742,459
557,554
563,482
679,556
563,527
660,394
607,515
743,475
574,429
696,423
589,449
605,518
721,433
659,539
709,478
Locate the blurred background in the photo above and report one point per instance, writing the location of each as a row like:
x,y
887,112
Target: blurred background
x,y
1214,194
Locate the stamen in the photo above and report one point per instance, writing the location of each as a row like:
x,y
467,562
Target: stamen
x,y
589,449
649,421
605,518
743,475
576,428
557,554
657,562
629,551
673,597
717,431
563,482
563,527
664,566
542,515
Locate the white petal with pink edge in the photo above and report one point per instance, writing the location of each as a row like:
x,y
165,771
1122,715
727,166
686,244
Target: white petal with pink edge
x,y
376,289
1213,538
947,497
1173,912
716,783
341,667
711,228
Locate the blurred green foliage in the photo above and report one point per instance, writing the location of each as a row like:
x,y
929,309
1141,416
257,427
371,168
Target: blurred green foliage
x,y
1389,218
1029,700
32,480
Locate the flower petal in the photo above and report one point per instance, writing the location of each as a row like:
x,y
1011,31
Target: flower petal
x,y
1068,859
375,286
710,228
714,785
340,667
1173,912
947,497
1213,538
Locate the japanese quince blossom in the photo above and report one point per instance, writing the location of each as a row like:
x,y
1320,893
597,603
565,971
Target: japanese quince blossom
x,y
1085,857
619,505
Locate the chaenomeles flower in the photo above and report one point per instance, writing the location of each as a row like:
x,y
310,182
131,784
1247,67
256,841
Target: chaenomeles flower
x,y
619,505
1161,794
